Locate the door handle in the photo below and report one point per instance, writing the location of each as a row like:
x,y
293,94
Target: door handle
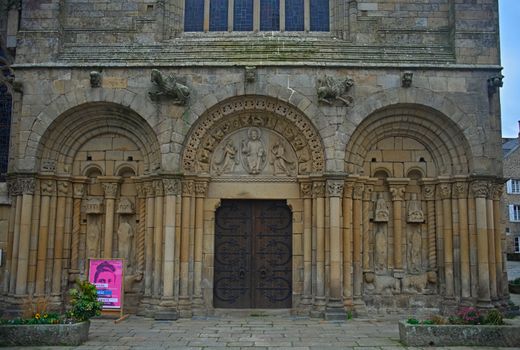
x,y
263,274
242,274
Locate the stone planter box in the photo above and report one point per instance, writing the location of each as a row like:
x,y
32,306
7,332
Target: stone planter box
x,y
514,288
459,335
44,334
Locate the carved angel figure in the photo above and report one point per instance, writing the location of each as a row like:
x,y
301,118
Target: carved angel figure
x,y
330,89
279,161
228,159
168,86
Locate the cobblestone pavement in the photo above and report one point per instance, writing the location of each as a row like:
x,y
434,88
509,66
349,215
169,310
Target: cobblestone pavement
x,y
244,333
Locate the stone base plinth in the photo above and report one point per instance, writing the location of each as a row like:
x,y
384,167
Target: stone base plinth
x,y
44,334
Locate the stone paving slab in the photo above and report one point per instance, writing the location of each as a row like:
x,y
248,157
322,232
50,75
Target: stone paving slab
x,y
268,333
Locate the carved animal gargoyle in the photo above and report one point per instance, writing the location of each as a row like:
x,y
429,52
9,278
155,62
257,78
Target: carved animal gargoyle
x,y
168,86
494,83
330,89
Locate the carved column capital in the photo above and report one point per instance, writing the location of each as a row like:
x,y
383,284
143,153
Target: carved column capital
x,y
367,194
27,185
148,189
63,188
428,192
187,188
13,187
358,191
334,188
158,188
318,189
306,189
79,190
444,190
110,189
201,187
47,187
348,188
171,186
141,192
460,190
496,191
480,189
397,193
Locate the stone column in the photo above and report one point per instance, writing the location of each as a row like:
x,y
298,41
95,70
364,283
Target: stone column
x,y
10,271
171,190
335,309
78,193
48,189
141,227
347,244
201,188
63,191
319,193
306,194
367,199
110,187
158,236
480,191
187,193
148,243
461,193
445,192
428,192
356,240
398,189
491,245
16,193
497,191
27,187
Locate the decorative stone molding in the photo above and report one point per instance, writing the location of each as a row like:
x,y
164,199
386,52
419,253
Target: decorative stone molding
x,y
397,193
187,188
47,187
347,190
445,190
260,112
63,188
168,86
496,191
201,187
27,185
335,188
318,189
382,212
171,186
428,192
48,165
306,189
110,189
407,78
125,206
415,213
148,189
95,79
480,189
79,190
330,89
250,74
140,188
94,206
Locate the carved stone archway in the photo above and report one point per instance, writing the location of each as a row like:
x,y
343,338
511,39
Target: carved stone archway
x,y
253,111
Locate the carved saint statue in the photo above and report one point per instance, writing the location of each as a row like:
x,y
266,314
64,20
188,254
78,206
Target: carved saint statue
x,y
253,152
380,249
414,250
415,213
281,164
125,233
228,159
381,212
93,232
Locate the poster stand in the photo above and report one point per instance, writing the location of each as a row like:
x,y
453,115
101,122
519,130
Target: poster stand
x,y
109,273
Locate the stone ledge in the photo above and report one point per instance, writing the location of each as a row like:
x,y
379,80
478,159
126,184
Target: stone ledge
x,y
459,335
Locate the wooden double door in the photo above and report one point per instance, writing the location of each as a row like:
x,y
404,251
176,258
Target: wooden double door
x,y
253,254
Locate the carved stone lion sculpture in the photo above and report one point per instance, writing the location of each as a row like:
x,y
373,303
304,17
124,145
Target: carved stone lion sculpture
x,y
168,86
330,89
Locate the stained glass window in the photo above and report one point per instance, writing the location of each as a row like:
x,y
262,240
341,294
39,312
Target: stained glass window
x,y
269,15
194,16
319,15
218,15
294,12
5,129
243,15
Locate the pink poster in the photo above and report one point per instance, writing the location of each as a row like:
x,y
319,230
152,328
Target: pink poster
x,y
107,276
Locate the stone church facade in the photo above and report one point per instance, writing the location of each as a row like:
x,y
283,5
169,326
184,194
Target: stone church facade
x,y
341,159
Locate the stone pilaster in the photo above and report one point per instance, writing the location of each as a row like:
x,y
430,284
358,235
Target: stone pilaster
x,y
496,195
64,188
171,191
306,194
48,189
158,237
319,202
347,244
460,189
445,190
184,297
201,188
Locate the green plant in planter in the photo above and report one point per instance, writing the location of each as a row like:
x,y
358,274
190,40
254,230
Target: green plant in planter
x,y
83,301
494,317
